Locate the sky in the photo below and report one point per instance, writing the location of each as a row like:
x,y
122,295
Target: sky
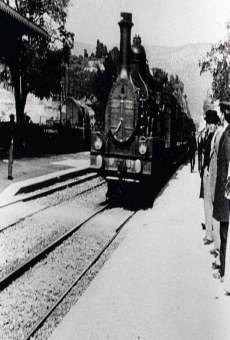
x,y
158,22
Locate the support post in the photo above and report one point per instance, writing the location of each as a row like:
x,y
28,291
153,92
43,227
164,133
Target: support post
x,y
10,160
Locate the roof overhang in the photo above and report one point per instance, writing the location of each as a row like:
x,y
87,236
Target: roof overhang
x,y
14,23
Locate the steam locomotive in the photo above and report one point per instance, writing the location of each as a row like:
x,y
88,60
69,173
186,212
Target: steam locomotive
x,y
145,128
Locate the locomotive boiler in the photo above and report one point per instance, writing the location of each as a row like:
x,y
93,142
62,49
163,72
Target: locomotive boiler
x,y
145,129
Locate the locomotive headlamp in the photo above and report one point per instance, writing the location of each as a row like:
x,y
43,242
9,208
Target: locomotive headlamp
x,y
99,161
98,143
137,166
142,146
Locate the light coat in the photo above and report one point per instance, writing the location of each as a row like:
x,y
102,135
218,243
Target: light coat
x,y
213,160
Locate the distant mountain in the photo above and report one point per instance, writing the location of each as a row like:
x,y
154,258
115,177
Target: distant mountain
x,y
182,60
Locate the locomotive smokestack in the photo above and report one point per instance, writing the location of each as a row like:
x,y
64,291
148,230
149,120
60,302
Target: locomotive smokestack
x,y
125,43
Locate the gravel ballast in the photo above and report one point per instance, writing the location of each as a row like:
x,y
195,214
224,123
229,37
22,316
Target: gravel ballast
x,y
25,300
25,239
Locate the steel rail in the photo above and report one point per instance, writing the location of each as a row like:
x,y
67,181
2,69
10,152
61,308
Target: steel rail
x,y
45,191
22,268
54,205
41,321
60,187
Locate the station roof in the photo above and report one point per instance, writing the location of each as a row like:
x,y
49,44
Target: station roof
x,y
11,20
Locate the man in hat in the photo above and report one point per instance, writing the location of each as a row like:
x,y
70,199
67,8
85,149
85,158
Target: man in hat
x,y
212,121
221,204
212,177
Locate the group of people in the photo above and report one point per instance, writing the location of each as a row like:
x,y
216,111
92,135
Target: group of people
x,y
214,169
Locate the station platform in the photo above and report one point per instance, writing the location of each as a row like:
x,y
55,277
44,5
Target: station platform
x,y
158,283
36,172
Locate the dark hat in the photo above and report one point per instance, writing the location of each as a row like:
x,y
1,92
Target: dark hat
x,y
211,117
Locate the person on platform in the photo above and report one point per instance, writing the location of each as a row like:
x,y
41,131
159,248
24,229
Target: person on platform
x,y
12,126
221,203
212,120
200,148
192,150
212,176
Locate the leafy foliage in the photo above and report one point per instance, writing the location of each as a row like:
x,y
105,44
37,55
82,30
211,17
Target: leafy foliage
x,y
79,78
101,50
172,84
217,62
92,77
36,64
160,78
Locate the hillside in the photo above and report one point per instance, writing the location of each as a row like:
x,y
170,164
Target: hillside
x,y
182,60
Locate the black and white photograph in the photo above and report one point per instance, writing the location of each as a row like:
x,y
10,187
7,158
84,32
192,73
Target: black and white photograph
x,y
114,170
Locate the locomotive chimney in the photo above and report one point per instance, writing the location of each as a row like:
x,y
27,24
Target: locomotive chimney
x,y
125,43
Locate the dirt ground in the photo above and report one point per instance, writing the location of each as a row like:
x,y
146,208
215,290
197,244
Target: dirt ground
x,y
26,168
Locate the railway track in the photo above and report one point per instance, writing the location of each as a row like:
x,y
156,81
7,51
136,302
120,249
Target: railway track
x,y
22,268
49,189
44,259
59,295
49,192
46,315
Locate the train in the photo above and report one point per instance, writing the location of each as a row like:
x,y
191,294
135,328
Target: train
x,y
146,130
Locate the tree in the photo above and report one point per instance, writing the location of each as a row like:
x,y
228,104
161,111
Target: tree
x,y
101,50
85,53
172,84
217,62
176,87
79,78
94,82
104,80
36,64
115,57
160,78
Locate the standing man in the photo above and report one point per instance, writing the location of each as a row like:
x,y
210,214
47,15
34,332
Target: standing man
x,y
212,121
221,203
11,127
212,175
200,140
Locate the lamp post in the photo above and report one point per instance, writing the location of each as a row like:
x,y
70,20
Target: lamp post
x,y
10,160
